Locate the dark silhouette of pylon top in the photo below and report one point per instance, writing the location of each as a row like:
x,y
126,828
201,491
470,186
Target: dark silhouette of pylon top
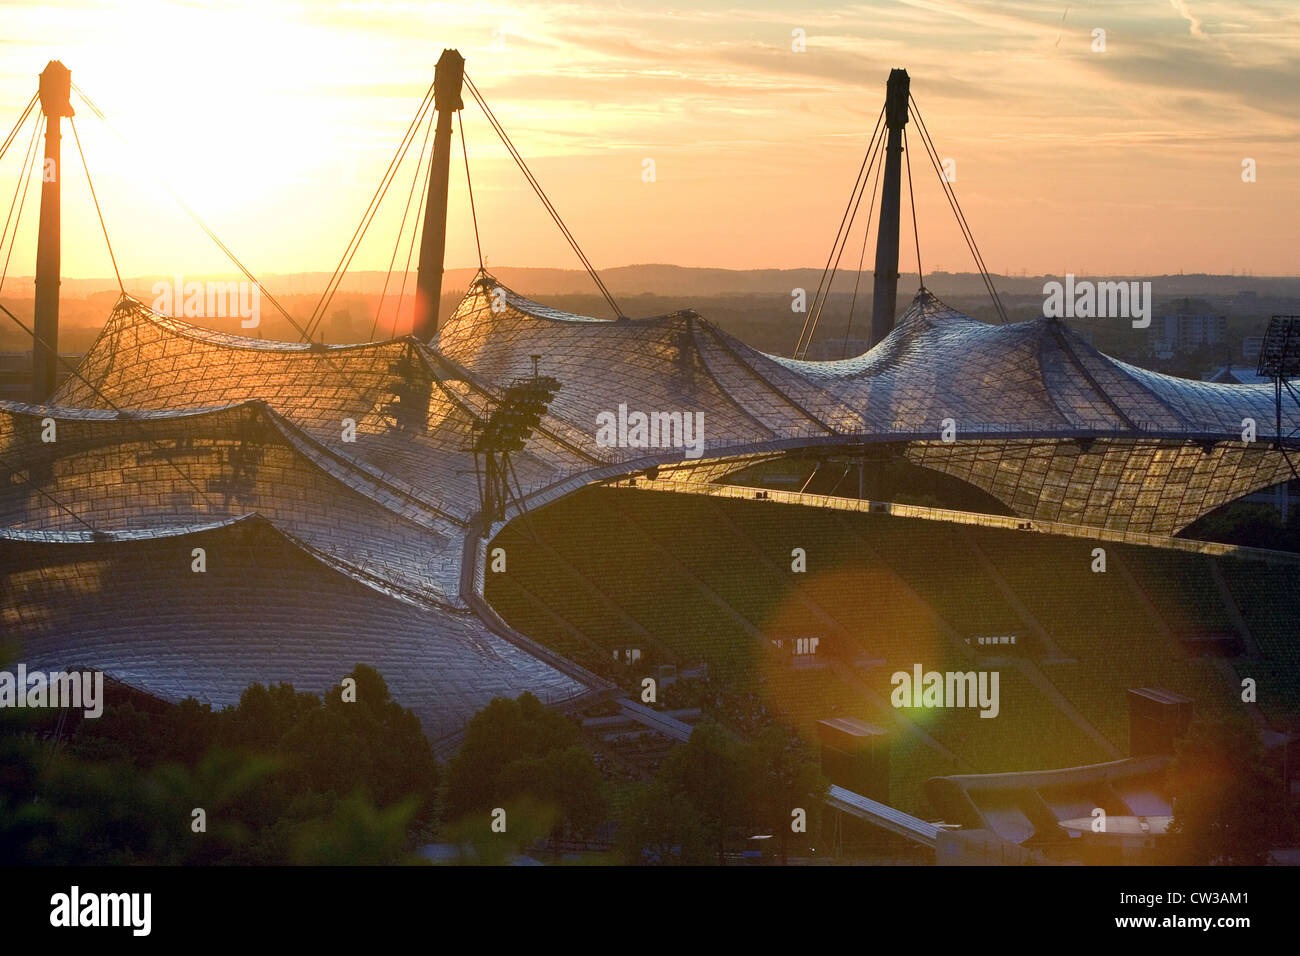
x,y
447,79
56,90
896,92
448,76
884,300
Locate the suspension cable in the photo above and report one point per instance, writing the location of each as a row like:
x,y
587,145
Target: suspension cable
x,y
469,185
318,313
932,153
19,125
951,194
410,251
194,216
916,234
24,181
401,229
857,186
541,194
862,256
73,123
340,371
877,163
875,152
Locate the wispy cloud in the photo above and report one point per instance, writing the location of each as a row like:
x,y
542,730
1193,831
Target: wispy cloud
x,y
260,103
1186,14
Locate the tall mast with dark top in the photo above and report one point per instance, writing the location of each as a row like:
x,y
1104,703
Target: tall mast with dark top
x,y
447,79
55,93
884,300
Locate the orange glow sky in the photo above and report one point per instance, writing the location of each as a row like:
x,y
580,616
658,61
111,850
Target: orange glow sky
x,y
276,119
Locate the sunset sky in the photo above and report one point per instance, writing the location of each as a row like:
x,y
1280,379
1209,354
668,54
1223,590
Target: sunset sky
x,y
275,120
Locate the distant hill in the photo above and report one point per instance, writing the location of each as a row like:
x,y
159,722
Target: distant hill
x,y
683,281
754,305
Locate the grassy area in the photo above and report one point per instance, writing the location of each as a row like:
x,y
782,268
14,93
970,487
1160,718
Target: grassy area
x,y
692,579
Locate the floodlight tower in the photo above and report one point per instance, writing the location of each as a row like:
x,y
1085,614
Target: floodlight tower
x,y
55,94
884,299
1279,359
507,430
447,79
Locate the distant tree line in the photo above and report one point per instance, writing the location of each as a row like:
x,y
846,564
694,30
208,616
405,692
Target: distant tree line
x,y
293,777
1230,803
1251,524
288,777
283,777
